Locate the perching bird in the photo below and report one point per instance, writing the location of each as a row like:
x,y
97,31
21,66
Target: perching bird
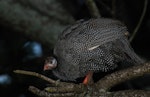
x,y
96,45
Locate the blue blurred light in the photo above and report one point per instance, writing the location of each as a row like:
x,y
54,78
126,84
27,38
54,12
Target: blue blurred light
x,y
5,79
32,49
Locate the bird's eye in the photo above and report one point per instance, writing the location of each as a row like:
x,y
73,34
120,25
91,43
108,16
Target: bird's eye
x,y
53,61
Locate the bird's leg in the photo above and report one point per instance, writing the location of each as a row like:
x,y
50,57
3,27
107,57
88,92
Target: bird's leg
x,y
88,79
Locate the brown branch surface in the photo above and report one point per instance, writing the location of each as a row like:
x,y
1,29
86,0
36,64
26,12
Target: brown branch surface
x,y
124,93
115,78
68,86
36,75
99,89
43,93
131,93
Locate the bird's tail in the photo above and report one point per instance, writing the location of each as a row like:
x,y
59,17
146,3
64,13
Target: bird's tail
x,y
130,52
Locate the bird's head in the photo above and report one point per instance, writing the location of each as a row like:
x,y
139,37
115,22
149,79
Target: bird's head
x,y
50,63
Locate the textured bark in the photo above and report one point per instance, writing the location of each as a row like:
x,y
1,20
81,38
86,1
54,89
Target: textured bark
x,y
41,20
99,89
116,78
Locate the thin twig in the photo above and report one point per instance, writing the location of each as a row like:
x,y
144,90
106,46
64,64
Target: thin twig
x,y
36,75
51,81
93,8
115,78
113,11
140,21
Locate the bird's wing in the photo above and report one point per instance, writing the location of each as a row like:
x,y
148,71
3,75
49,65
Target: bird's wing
x,y
98,59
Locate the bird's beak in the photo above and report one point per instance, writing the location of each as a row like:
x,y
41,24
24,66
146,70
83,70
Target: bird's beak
x,y
49,66
45,67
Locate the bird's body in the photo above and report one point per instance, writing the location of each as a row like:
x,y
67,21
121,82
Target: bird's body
x,y
97,45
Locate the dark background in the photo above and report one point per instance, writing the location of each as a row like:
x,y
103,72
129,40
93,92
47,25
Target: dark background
x,y
18,51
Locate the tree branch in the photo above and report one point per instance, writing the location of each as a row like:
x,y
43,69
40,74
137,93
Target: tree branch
x,y
93,8
124,93
36,75
68,86
43,93
140,21
99,89
115,78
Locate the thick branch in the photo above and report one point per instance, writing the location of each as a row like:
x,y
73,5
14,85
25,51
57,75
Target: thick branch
x,y
99,89
121,76
125,93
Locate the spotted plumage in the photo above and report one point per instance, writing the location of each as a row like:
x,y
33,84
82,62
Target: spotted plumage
x,y
98,45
